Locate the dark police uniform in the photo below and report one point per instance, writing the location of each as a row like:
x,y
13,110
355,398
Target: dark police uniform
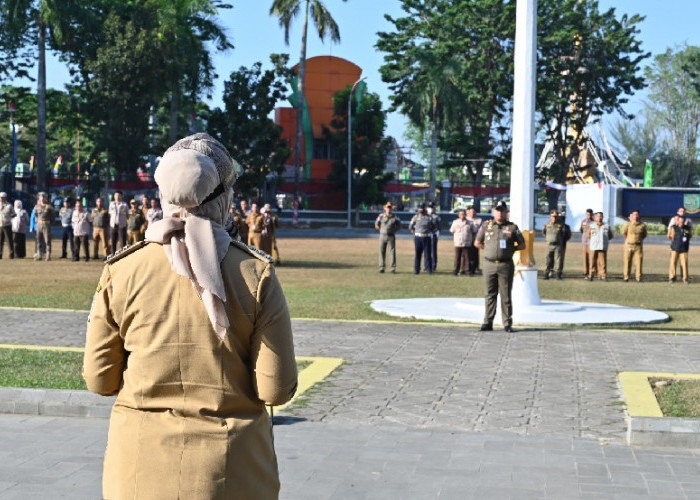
x,y
499,243
422,227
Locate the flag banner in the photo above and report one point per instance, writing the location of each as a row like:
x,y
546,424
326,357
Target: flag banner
x,y
13,161
648,173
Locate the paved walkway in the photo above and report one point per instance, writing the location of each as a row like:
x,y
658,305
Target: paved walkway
x,y
417,411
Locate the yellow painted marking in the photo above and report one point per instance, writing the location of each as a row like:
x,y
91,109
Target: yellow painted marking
x,y
639,395
319,369
42,348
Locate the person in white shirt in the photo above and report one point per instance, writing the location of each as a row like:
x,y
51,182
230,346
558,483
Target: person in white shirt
x,y
153,213
463,232
117,221
81,220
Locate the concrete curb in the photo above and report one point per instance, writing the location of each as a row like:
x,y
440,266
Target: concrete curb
x,y
54,403
663,432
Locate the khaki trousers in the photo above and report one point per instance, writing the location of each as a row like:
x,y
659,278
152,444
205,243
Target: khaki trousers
x,y
99,234
498,280
633,253
678,258
134,237
255,240
43,237
599,263
387,242
586,259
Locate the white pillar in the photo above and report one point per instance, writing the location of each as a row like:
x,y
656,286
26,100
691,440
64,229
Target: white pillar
x,y
522,169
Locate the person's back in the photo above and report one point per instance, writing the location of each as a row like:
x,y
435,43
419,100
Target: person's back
x,y
192,333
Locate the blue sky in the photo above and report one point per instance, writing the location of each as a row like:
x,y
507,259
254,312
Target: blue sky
x,y
668,23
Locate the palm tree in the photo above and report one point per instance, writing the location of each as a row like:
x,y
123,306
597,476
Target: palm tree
x,y
46,15
434,94
185,28
286,11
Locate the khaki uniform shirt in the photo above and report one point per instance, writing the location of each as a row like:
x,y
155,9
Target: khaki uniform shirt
x,y
136,220
634,233
100,217
500,240
388,224
189,420
255,222
44,214
553,233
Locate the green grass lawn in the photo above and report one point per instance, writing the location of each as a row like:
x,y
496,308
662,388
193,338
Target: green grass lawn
x,y
679,398
337,278
48,369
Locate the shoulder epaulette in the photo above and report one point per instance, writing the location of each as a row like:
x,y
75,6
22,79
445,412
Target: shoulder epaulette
x,y
124,251
252,251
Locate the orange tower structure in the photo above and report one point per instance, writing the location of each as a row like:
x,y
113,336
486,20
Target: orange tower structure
x,y
325,76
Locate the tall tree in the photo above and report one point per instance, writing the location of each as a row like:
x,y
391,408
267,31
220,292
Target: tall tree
x,y
286,11
674,107
588,62
458,55
369,147
185,27
44,18
244,126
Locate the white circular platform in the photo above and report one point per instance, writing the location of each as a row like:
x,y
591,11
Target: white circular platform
x,y
547,312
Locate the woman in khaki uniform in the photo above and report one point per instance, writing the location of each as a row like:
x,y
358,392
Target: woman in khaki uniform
x,y
192,333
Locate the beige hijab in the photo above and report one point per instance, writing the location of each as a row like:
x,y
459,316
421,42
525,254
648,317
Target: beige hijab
x,y
196,177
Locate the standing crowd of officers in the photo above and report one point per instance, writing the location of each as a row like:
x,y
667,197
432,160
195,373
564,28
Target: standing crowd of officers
x,y
115,226
256,227
499,239
112,227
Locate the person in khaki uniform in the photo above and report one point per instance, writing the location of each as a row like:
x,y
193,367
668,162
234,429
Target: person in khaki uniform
x,y
100,223
556,234
387,224
499,239
191,331
256,223
135,224
634,232
44,218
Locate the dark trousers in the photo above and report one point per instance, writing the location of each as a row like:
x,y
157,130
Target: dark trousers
x,y
498,280
431,264
473,256
7,235
117,234
20,245
461,260
423,247
81,241
67,236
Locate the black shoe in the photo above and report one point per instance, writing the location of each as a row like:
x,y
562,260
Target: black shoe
x,y
588,278
508,329
625,280
545,277
486,327
75,259
559,277
381,271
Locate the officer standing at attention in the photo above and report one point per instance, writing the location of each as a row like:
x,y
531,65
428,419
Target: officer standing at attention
x,y
434,237
498,239
44,218
634,232
66,216
387,224
422,227
135,224
100,226
556,236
